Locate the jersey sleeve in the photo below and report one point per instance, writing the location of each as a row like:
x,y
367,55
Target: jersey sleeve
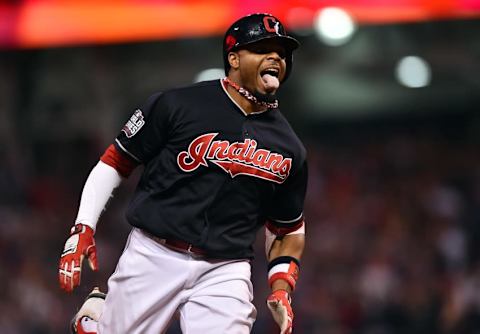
x,y
146,131
285,212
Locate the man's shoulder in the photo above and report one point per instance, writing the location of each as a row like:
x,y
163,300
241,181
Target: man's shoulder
x,y
193,98
199,88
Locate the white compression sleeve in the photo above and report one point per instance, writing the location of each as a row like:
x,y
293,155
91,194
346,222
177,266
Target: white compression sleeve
x,y
98,189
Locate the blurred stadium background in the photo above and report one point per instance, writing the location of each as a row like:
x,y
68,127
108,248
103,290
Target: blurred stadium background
x,y
384,94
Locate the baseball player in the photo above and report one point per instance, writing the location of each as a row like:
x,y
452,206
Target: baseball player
x,y
220,162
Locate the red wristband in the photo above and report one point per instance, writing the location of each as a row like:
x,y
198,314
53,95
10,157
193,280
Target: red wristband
x,y
285,268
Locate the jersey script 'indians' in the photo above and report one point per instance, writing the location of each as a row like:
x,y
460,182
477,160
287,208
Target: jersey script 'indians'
x,y
235,158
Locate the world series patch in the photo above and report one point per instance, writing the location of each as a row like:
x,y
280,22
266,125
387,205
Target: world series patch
x,y
134,124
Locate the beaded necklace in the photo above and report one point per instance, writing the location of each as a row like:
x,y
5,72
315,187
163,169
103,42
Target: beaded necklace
x,y
245,93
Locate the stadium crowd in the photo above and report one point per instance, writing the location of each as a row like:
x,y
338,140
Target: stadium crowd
x,y
393,230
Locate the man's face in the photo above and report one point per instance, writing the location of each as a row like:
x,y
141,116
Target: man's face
x,y
262,66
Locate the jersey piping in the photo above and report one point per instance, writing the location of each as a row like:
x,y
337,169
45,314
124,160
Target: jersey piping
x,y
126,151
288,221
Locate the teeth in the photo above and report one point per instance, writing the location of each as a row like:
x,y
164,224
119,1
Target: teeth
x,y
271,71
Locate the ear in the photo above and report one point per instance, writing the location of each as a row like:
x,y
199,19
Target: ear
x,y
234,60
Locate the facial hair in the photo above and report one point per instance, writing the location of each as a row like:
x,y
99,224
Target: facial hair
x,y
268,98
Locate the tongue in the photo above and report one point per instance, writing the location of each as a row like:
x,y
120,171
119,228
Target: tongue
x,y
270,82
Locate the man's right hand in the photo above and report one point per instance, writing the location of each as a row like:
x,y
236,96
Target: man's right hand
x,y
79,245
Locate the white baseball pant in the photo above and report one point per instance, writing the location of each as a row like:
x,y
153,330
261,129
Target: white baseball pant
x,y
153,283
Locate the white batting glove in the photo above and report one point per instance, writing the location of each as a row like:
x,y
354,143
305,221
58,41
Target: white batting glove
x,y
279,304
86,319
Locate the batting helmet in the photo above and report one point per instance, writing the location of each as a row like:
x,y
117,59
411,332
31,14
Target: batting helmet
x,y
257,27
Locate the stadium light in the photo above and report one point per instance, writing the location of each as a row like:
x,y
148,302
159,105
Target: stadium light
x,y
413,72
334,26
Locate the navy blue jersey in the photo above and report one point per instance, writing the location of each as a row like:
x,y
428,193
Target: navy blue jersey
x,y
213,175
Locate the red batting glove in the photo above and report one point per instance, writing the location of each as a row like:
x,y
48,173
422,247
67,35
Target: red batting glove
x,y
79,245
279,304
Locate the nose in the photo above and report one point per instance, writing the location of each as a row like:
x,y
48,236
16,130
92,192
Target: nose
x,y
274,56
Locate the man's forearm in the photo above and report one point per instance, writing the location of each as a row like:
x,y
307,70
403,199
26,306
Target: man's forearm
x,y
98,188
284,258
290,245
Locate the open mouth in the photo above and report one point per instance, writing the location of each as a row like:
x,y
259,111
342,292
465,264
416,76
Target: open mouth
x,y
270,79
274,72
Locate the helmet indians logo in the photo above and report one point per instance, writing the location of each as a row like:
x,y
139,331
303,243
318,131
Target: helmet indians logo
x,y
271,24
238,158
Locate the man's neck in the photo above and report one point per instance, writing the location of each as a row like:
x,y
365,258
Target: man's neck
x,y
246,105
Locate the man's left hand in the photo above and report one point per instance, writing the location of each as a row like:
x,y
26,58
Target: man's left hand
x,y
279,304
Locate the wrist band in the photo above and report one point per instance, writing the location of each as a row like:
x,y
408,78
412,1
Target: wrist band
x,y
284,267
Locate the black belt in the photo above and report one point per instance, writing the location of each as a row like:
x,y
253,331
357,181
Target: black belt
x,y
178,245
